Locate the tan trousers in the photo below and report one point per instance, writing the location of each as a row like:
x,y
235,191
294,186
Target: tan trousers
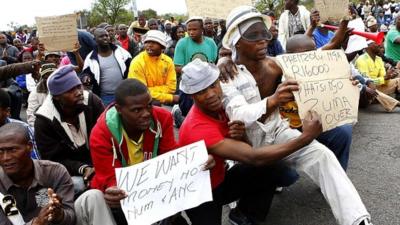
x,y
385,90
390,87
387,102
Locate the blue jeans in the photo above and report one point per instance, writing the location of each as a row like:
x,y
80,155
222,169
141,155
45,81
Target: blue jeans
x,y
107,99
339,141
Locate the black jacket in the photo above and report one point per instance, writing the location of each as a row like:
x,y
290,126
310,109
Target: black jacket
x,y
53,142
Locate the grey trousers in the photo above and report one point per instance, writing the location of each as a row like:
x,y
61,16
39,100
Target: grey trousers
x,y
91,209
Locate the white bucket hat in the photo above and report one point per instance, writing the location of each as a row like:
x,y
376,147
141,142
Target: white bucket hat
x,y
197,76
236,17
156,36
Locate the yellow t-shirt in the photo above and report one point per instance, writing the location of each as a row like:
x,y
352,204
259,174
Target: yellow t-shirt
x,y
372,69
135,149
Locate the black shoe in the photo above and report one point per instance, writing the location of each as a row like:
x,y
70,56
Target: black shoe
x,y
397,97
366,222
238,218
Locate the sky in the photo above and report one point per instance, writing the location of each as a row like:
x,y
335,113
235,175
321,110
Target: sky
x,y
24,11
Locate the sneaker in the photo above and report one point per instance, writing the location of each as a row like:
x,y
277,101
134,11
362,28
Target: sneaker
x,y
238,218
177,115
366,222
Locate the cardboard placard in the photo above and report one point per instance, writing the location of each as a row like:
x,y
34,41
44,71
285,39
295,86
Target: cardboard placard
x,y
332,10
217,9
167,184
58,33
325,87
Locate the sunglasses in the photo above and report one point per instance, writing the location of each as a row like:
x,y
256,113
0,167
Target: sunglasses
x,y
256,35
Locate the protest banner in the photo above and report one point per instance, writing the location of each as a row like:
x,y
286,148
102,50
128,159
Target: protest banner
x,y
217,9
325,87
57,33
332,10
165,185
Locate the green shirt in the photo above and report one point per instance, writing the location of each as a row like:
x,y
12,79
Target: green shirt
x,y
392,50
187,50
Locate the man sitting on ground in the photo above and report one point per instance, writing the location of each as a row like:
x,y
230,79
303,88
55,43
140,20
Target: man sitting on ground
x,y
155,69
372,66
5,104
250,179
128,132
64,122
33,188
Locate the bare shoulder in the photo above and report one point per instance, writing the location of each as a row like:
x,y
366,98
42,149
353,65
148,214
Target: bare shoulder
x,y
273,66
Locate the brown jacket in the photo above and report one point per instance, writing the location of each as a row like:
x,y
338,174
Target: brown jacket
x,y
13,70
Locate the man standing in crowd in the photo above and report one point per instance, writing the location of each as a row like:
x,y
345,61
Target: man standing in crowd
x,y
5,104
392,42
209,29
105,67
127,42
252,98
8,52
152,24
64,122
274,46
155,69
294,20
35,192
196,45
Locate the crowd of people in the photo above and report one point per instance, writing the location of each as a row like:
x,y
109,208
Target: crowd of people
x,y
128,93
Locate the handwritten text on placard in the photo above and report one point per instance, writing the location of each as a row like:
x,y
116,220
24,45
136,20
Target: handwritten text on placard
x,y
325,86
58,33
165,185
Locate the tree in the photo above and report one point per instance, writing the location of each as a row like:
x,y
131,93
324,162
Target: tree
x,y
149,13
277,6
108,10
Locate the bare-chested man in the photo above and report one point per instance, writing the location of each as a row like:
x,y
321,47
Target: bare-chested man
x,y
254,97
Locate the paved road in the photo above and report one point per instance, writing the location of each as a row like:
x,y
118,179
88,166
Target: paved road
x,y
374,168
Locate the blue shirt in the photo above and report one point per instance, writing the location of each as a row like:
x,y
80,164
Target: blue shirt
x,y
322,39
275,48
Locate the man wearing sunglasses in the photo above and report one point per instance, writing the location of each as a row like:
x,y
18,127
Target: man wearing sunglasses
x,y
253,97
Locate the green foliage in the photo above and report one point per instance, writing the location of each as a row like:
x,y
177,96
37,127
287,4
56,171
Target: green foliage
x,y
177,17
110,11
149,13
277,6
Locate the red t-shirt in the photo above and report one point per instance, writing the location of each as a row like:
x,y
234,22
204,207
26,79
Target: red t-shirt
x,y
198,126
124,42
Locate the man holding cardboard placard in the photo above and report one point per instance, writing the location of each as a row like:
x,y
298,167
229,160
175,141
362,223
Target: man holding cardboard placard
x,y
252,97
58,33
251,180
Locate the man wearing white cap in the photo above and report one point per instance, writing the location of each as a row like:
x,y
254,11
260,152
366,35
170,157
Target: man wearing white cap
x,y
253,97
155,69
372,25
251,180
